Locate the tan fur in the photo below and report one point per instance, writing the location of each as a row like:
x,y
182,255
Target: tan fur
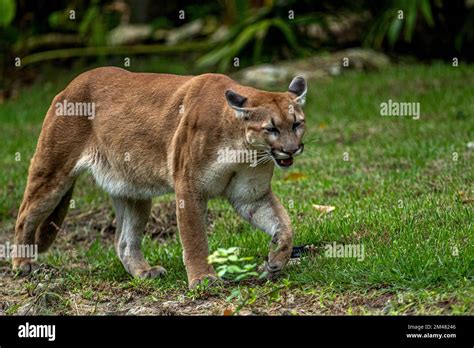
x,y
159,133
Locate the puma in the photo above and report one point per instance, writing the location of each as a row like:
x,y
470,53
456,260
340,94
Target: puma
x,y
153,134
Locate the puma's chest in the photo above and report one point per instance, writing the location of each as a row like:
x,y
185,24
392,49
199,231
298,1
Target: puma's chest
x,y
242,183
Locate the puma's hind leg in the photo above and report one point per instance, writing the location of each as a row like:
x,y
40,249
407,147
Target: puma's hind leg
x,y
51,178
131,217
42,211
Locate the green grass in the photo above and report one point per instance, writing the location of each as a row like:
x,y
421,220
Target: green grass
x,y
404,194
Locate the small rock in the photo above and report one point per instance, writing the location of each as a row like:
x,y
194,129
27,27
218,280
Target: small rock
x,y
245,312
265,74
6,271
138,311
220,34
185,32
319,66
335,70
170,304
126,34
28,308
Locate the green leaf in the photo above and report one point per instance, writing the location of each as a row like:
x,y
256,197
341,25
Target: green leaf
x,y
241,277
394,31
234,294
425,8
234,269
242,39
232,250
7,12
217,259
287,32
242,7
246,275
411,14
259,39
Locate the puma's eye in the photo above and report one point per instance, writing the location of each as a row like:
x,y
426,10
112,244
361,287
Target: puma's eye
x,y
296,125
273,130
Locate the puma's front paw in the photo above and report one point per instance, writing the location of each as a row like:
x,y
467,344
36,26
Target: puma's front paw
x,y
150,273
23,267
273,269
212,278
277,259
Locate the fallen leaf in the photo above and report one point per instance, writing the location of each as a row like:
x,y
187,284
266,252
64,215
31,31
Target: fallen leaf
x,y
325,209
465,198
294,176
227,312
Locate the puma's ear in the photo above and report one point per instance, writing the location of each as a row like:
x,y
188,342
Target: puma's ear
x,y
299,87
236,102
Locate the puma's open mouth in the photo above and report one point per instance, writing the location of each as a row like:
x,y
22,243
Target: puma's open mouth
x,y
285,162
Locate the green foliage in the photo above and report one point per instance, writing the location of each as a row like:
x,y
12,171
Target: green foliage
x,y
7,12
246,296
59,21
231,265
92,24
254,29
202,290
397,17
253,32
466,33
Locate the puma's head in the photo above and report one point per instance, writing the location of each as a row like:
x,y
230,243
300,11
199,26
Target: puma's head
x,y
274,122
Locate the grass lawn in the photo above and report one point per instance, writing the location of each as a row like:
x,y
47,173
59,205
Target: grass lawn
x,y
402,188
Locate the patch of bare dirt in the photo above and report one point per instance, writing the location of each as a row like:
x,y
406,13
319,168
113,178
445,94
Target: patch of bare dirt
x,y
48,291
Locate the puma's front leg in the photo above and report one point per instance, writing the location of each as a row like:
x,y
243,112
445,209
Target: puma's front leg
x,y
191,213
269,215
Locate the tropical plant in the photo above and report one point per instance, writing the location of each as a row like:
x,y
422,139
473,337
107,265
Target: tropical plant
x,y
92,27
7,12
397,17
255,28
232,266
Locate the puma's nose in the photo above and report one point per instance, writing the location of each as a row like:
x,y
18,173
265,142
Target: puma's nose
x,y
291,150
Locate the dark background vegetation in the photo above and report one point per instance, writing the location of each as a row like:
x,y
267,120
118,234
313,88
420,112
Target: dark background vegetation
x,y
256,31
